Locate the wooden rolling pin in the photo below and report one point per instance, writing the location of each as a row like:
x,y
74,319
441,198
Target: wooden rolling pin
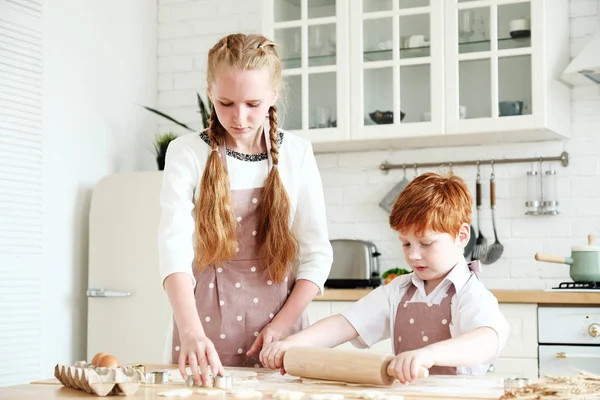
x,y
350,366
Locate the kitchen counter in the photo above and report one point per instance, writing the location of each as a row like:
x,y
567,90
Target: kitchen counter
x,y
503,296
431,388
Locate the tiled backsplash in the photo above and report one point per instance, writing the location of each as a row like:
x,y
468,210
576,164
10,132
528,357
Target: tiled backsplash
x,y
353,183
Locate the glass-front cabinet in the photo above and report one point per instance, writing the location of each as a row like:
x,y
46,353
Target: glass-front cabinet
x,y
397,56
489,61
373,70
313,43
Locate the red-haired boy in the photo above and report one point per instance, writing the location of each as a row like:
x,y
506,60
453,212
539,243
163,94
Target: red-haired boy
x,y
439,317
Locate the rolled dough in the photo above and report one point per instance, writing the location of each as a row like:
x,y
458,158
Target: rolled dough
x,y
282,394
326,396
210,392
246,394
175,393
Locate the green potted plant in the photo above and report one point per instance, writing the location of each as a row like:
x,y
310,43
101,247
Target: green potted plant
x,y
162,140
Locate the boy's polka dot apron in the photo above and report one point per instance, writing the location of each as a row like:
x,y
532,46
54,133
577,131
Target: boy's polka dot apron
x,y
419,324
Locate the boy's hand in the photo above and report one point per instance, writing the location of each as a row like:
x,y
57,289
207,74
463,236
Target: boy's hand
x,y
405,366
272,354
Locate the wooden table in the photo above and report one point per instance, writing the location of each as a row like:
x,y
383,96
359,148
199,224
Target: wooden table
x,y
431,388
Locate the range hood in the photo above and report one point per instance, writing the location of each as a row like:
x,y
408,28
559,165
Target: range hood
x,y
584,69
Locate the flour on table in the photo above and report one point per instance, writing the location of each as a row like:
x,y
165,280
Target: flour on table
x,y
245,394
394,397
282,394
175,393
210,392
326,396
369,395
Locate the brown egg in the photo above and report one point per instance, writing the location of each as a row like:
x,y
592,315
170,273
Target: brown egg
x,y
97,358
108,361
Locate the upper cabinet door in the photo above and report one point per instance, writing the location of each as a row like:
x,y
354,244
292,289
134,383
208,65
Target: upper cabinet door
x,y
398,77
489,56
312,36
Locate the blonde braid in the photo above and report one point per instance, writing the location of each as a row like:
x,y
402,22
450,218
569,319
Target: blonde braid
x,y
216,226
279,246
274,135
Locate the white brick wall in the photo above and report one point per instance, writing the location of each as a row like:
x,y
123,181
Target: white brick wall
x,y
353,183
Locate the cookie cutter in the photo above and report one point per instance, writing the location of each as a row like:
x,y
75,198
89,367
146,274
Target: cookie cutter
x,y
515,383
223,382
138,367
218,382
157,377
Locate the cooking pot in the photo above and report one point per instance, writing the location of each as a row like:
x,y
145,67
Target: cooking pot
x,y
584,261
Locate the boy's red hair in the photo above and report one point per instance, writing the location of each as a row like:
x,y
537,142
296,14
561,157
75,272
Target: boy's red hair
x,y
432,202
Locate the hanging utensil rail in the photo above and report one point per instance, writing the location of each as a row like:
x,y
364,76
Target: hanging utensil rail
x,y
563,158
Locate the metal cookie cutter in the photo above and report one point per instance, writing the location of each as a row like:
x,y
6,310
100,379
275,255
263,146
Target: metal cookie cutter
x,y
218,382
157,377
223,382
515,383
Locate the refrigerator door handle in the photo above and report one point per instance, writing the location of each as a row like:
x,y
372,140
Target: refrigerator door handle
x,y
106,293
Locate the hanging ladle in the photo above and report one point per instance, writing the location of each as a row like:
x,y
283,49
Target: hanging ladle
x,y
494,252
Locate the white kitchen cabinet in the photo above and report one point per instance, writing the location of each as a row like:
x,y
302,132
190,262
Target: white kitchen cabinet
x,y
522,341
314,47
485,66
515,367
439,67
520,355
518,358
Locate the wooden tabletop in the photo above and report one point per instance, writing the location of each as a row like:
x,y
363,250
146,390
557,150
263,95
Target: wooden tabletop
x,y
55,392
433,387
503,296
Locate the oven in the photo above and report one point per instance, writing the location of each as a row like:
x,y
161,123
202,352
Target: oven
x,y
569,340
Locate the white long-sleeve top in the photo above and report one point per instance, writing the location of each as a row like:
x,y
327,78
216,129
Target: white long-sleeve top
x,y
185,162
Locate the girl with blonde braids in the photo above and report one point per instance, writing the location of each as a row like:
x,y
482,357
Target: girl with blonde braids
x,y
243,240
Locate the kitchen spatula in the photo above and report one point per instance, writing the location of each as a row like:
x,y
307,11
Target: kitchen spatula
x,y
388,201
494,251
481,242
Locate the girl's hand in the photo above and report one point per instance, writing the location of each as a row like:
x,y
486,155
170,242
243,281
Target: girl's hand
x,y
273,332
405,366
199,351
272,354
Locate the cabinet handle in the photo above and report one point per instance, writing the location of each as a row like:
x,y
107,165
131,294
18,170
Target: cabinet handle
x,y
106,293
565,355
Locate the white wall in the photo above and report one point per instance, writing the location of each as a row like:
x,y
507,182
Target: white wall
x,y
353,183
100,61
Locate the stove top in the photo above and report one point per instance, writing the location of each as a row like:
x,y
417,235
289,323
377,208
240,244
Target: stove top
x,y
578,286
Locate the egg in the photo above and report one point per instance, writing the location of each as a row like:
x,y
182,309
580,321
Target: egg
x,y
108,361
97,358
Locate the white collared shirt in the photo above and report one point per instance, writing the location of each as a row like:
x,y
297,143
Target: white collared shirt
x,y
474,306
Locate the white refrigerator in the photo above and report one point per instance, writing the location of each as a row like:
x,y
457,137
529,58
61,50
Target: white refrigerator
x,y
128,311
